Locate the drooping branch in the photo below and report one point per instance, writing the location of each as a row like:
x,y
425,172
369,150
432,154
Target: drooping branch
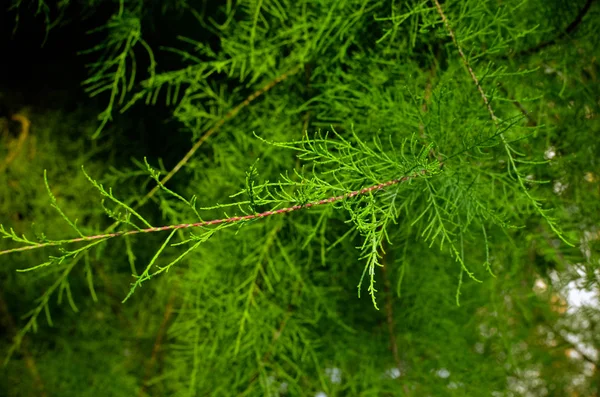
x,y
509,150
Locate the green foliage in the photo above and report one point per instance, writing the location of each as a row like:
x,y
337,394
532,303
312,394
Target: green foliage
x,y
441,156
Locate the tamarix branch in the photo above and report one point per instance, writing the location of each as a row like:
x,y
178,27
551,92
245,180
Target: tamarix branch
x,y
233,219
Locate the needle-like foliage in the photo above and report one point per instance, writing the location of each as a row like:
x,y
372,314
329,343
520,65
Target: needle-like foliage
x,y
438,155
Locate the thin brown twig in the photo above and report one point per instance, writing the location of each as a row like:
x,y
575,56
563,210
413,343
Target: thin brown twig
x,y
229,115
221,221
495,120
218,125
466,61
571,28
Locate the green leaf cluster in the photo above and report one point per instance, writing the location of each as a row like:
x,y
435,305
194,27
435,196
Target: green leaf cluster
x,y
441,156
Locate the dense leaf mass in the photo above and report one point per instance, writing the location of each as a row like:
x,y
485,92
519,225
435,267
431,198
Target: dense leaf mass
x,y
302,198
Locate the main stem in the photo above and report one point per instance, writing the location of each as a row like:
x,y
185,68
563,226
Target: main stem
x,y
233,219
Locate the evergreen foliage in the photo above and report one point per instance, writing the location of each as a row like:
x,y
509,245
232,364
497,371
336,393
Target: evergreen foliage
x,y
439,156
